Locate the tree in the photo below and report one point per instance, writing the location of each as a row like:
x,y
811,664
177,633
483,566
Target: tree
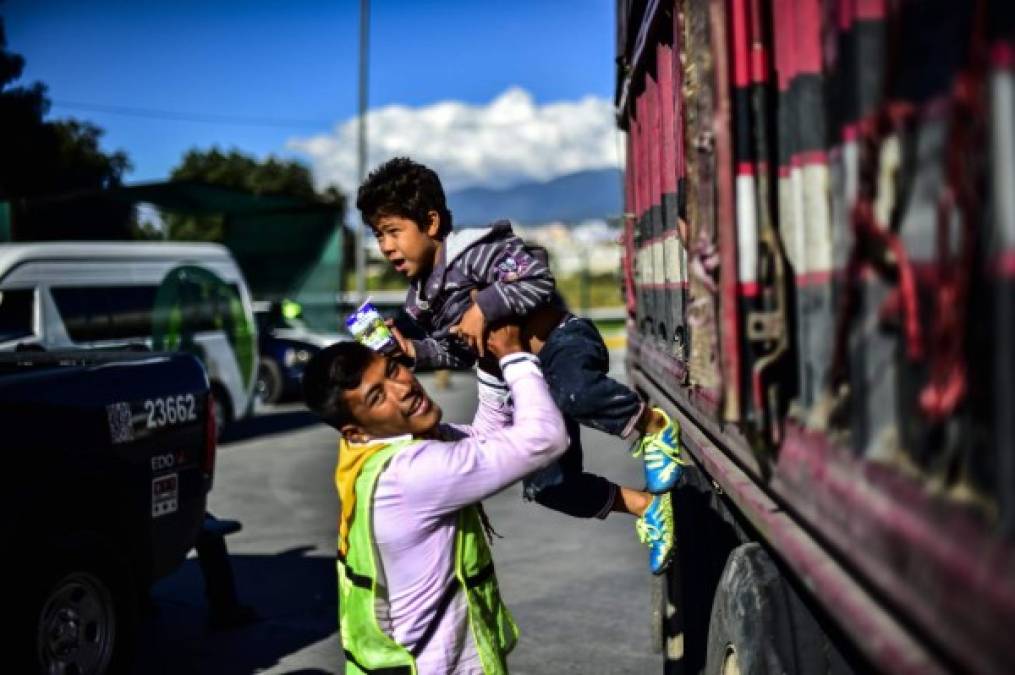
x,y
47,159
236,170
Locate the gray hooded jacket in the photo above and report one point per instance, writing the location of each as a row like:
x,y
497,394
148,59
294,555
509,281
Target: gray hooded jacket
x,y
511,277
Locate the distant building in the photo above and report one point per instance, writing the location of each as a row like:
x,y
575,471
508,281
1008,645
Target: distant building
x,y
591,243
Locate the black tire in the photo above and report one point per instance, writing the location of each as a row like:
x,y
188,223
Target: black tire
x,y
269,381
83,613
223,409
757,626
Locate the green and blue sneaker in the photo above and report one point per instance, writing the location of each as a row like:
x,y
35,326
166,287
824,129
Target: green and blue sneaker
x,y
661,454
655,529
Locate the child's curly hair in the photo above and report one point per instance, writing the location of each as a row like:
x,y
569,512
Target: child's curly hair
x,y
402,187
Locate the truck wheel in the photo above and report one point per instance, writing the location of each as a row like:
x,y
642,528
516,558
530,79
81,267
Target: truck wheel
x,y
269,381
756,627
84,616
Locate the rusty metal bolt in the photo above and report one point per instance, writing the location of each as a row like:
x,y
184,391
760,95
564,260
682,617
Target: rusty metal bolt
x,y
705,142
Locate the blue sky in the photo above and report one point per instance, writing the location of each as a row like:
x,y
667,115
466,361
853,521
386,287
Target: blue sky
x,y
295,62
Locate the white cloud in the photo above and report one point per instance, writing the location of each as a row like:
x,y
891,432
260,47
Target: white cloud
x,y
507,141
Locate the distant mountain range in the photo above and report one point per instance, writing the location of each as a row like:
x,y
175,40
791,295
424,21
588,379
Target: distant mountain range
x,y
571,198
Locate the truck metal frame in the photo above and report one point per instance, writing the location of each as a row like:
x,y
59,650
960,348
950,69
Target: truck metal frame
x,y
819,236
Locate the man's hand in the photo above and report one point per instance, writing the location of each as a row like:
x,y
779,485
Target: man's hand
x,y
504,339
472,329
404,344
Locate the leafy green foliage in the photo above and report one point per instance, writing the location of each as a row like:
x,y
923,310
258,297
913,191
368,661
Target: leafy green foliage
x,y
236,170
598,290
41,158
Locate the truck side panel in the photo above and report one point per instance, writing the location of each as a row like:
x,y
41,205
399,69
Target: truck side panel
x,y
95,448
845,335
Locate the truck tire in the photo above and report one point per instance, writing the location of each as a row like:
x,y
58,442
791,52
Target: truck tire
x,y
84,615
757,627
269,381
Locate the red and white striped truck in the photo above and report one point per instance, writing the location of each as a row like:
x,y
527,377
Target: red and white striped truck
x,y
820,285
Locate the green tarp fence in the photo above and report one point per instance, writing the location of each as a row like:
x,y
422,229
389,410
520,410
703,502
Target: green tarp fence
x,y
5,221
285,246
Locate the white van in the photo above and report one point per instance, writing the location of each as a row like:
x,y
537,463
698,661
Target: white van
x,y
166,296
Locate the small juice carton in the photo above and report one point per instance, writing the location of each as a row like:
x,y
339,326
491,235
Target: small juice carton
x,y
368,328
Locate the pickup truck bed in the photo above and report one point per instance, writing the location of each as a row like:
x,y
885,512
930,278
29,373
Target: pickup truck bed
x,y
108,460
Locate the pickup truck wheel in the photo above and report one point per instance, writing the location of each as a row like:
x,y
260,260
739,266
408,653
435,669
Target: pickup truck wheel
x,y
84,618
756,628
269,381
76,631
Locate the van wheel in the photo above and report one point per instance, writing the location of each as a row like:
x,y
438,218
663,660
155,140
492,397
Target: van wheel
x,y
269,381
756,627
84,616
223,409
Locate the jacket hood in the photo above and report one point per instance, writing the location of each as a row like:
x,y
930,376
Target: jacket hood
x,y
460,241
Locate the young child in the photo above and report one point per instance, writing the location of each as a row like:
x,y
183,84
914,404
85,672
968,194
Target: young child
x,y
462,281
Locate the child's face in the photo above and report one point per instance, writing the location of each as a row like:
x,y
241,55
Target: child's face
x,y
409,248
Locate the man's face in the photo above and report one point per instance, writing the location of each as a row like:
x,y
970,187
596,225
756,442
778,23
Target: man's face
x,y
409,249
389,401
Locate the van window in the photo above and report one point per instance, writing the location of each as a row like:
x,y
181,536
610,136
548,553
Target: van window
x,y
16,309
94,313
204,306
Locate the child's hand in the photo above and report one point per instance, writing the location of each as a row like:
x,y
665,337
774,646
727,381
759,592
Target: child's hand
x,y
404,345
505,338
472,329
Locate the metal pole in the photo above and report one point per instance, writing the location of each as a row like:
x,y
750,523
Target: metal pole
x,y
364,35
584,292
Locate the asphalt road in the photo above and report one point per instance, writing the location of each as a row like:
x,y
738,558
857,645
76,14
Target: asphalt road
x,y
579,590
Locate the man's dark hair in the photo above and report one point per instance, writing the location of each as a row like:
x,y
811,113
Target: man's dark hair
x,y
332,371
402,187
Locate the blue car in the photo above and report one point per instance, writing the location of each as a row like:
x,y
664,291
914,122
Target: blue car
x,y
286,344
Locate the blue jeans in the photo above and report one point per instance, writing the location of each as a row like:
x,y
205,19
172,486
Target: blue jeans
x,y
575,363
